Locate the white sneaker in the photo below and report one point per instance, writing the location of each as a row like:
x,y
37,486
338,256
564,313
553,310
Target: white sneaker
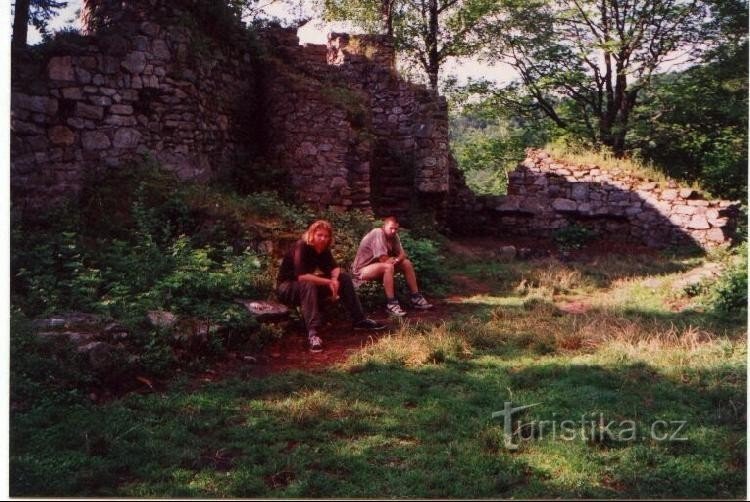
x,y
316,343
394,309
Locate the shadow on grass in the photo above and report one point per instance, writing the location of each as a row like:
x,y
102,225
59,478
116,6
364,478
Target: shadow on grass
x,y
388,431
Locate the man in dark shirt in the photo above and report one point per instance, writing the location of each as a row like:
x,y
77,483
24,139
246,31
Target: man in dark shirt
x,y
309,274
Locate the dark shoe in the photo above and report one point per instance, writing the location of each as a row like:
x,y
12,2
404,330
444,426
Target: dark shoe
x,y
316,344
369,324
419,302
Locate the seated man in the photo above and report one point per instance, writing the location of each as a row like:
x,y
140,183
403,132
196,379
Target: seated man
x,y
379,256
309,273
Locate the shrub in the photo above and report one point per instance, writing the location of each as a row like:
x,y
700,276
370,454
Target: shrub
x,y
730,292
572,237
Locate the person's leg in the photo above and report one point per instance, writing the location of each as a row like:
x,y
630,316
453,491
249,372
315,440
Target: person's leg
x,y
304,294
407,268
384,272
417,299
349,298
380,272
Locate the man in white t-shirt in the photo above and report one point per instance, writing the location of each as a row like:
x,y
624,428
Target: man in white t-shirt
x,y
379,257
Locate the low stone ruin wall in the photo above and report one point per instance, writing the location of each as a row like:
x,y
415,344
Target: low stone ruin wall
x,y
546,194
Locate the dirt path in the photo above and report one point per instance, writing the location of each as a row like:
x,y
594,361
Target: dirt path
x,y
340,342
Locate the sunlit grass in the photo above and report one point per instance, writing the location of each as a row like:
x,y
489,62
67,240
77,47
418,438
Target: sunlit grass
x,y
608,162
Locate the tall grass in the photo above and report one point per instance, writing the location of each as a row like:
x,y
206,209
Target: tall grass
x,y
607,161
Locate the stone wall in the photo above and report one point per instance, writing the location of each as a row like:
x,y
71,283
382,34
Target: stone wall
x,y
135,86
545,194
350,132
336,121
409,124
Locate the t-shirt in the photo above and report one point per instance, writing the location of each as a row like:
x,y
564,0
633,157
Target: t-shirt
x,y
374,245
303,259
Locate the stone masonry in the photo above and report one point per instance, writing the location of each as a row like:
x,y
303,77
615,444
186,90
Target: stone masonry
x,y
135,87
344,129
546,194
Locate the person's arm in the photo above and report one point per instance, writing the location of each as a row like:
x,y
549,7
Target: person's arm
x,y
398,250
333,282
301,267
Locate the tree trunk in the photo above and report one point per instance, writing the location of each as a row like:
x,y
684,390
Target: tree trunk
x,y
386,16
20,24
433,57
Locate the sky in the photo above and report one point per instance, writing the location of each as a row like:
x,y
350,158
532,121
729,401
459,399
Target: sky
x,y
314,32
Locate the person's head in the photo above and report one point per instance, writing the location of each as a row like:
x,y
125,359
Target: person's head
x,y
319,235
390,226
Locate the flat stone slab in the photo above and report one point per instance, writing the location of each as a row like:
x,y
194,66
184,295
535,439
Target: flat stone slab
x,y
264,310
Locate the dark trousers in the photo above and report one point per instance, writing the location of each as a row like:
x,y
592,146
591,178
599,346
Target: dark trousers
x,y
310,296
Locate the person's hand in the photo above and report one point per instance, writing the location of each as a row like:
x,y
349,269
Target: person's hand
x,y
334,285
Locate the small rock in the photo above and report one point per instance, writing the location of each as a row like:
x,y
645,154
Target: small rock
x,y
506,253
265,310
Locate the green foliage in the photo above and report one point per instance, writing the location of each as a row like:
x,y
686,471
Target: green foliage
x,y
693,125
139,241
426,34
428,261
729,293
488,142
572,237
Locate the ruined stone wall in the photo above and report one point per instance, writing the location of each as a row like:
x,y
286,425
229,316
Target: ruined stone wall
x,y
336,120
317,126
546,194
350,132
409,124
139,83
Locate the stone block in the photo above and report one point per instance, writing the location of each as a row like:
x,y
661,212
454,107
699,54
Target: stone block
x,y
21,127
669,194
579,191
698,203
100,100
61,135
698,222
94,140
716,235
160,50
84,110
74,93
121,109
121,120
61,68
687,193
134,62
683,209
561,204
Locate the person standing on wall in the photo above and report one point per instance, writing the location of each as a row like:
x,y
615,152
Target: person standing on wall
x,y
309,274
379,257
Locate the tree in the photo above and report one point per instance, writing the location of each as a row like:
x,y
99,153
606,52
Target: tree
x,y
426,32
584,62
38,13
694,123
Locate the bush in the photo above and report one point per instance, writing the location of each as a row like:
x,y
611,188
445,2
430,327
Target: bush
x,y
729,295
572,237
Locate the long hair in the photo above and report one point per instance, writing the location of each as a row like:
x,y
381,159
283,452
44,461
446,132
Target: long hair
x,y
318,225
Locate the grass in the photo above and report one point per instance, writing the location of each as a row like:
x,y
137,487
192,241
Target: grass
x,y
608,162
411,414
